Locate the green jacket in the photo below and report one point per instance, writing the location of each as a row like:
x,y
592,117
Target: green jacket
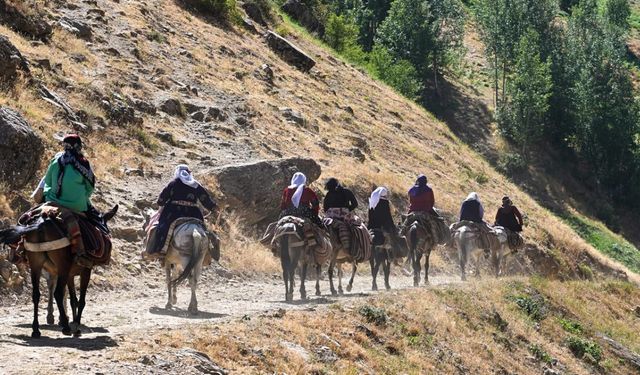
x,y
76,190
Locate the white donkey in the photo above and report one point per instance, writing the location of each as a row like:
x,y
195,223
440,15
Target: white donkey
x,y
186,254
467,239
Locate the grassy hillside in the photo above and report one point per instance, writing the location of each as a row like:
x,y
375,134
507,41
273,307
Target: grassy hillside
x,y
522,326
164,50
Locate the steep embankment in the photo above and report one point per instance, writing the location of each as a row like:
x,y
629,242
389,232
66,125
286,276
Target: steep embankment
x,y
144,54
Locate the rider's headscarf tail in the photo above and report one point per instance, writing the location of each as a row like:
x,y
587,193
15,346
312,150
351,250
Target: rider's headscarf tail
x,y
298,182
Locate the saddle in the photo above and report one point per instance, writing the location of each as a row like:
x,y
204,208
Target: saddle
x,y
488,237
431,223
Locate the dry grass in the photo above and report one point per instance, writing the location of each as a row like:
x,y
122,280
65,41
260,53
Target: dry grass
x,y
475,328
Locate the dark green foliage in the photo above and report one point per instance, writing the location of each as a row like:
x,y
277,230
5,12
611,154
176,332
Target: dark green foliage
x,y
617,13
511,164
222,9
539,353
532,305
523,117
399,74
373,314
340,32
571,326
585,349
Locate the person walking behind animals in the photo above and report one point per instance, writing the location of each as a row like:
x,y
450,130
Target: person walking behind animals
x,y
179,199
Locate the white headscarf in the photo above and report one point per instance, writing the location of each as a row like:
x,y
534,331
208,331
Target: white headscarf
x,y
472,197
297,182
379,193
182,172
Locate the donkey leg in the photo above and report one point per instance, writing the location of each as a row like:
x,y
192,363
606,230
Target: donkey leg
x,y
73,300
193,304
63,275
374,262
495,261
353,275
303,276
51,282
85,276
427,253
462,258
340,274
386,267
167,268
318,273
416,268
35,297
332,265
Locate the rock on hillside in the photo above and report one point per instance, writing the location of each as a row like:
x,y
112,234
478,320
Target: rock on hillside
x,y
253,189
20,149
34,26
11,60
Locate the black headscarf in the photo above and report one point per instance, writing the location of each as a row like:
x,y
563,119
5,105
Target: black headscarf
x,y
72,155
420,186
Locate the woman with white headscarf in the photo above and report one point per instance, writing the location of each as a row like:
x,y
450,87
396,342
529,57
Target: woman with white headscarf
x,y
472,209
380,219
298,200
177,200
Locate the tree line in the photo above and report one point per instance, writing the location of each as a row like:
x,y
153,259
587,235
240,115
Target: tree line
x,y
560,70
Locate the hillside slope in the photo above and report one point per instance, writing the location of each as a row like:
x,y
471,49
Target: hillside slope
x,y
358,130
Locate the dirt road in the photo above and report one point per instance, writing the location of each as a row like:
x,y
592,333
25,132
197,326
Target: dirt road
x,y
113,317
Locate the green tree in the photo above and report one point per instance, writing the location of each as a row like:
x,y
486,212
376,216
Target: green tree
x,y
423,32
523,117
399,74
340,32
617,13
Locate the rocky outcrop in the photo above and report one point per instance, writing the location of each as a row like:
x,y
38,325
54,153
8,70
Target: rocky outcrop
x,y
31,25
20,149
11,60
289,52
255,13
254,190
79,28
303,13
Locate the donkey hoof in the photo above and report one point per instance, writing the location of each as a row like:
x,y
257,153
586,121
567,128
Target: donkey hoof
x,y
318,294
349,287
51,320
374,288
303,296
193,312
66,331
387,287
334,292
168,306
77,333
289,297
340,291
35,334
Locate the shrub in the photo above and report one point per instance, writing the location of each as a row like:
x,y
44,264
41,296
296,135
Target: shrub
x,y
571,326
539,353
222,9
373,314
511,164
340,32
585,349
399,74
533,306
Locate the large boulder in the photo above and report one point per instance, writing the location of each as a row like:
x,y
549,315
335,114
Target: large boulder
x,y
31,24
20,149
11,60
254,190
303,13
289,52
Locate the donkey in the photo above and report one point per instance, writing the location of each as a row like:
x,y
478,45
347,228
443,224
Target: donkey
x,y
294,248
383,255
57,259
467,240
186,253
420,242
342,254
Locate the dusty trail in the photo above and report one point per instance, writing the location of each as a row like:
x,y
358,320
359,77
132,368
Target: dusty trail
x,y
112,317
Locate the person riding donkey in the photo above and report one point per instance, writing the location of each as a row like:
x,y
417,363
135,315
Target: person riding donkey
x,y
421,209
300,201
510,218
178,200
473,211
339,204
381,222
68,185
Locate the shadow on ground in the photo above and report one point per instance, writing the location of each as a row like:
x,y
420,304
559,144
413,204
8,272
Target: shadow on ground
x,y
180,313
84,344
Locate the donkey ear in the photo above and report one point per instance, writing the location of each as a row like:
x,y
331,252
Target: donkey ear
x,y
111,213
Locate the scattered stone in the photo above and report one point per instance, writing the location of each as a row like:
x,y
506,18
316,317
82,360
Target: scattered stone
x,y
205,365
172,107
145,107
11,60
264,73
79,28
325,354
289,52
361,143
54,99
254,12
134,172
217,114
293,117
249,25
622,351
78,57
20,149
129,234
192,107
120,112
253,189
31,25
637,311
297,349
357,154
303,13
198,116
43,63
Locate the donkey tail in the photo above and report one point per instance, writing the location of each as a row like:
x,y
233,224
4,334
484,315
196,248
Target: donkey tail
x,y
196,255
15,233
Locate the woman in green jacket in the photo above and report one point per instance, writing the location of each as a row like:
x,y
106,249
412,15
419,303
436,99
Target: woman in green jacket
x,y
69,181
